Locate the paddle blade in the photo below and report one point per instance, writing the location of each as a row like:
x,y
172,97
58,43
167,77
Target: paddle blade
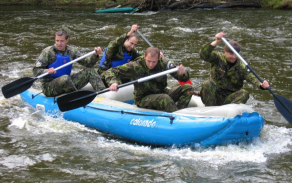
x,y
284,106
17,86
75,100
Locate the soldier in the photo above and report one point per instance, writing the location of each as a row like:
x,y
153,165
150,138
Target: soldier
x,y
227,75
120,51
58,82
152,94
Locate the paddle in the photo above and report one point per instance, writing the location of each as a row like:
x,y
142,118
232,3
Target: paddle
x,y
25,83
283,105
82,98
180,82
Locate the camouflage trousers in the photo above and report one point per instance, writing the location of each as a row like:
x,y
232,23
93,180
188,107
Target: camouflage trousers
x,y
211,95
176,98
66,83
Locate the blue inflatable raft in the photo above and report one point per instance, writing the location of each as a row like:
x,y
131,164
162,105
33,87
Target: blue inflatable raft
x,y
193,126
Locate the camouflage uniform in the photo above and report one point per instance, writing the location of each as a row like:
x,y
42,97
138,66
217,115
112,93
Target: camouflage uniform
x,y
226,80
64,84
152,94
115,51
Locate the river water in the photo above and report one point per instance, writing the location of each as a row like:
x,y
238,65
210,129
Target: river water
x,y
35,147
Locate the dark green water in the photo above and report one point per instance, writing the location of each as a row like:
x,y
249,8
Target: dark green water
x,y
35,147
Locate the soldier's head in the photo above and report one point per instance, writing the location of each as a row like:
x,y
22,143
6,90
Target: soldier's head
x,y
151,56
131,42
229,55
61,39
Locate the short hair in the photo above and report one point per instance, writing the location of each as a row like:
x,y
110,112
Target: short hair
x,y
153,51
234,44
62,33
133,35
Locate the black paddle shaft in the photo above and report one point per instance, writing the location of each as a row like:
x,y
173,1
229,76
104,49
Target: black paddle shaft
x,y
82,98
283,105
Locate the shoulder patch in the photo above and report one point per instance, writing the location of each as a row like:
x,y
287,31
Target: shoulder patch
x,y
38,64
170,65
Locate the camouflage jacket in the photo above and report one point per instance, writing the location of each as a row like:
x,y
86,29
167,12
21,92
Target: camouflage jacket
x,y
48,56
138,69
115,51
224,76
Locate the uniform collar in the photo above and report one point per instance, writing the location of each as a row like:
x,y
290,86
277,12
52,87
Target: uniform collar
x,y
62,52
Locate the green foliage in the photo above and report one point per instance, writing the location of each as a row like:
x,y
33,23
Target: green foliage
x,y
277,4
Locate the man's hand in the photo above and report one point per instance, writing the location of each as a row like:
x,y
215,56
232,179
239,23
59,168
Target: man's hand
x,y
114,87
218,39
181,70
51,71
265,84
134,28
98,51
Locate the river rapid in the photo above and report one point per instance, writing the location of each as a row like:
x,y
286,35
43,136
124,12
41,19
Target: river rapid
x,y
35,147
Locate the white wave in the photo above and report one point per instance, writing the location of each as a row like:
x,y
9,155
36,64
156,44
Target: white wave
x,y
18,122
38,122
14,161
235,28
273,140
2,100
184,29
144,13
225,22
107,27
45,157
173,20
82,172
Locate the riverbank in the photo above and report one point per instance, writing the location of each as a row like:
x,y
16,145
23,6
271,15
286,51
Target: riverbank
x,y
156,5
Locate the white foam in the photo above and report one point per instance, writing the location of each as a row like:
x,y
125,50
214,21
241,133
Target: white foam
x,y
18,122
184,29
106,27
45,157
274,140
14,161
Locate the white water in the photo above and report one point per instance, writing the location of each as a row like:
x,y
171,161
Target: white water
x,y
35,147
273,140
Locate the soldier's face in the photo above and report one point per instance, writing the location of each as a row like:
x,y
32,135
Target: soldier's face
x,y
131,43
61,42
230,57
151,61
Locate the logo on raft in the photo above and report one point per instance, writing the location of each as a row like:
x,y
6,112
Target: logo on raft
x,y
144,123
